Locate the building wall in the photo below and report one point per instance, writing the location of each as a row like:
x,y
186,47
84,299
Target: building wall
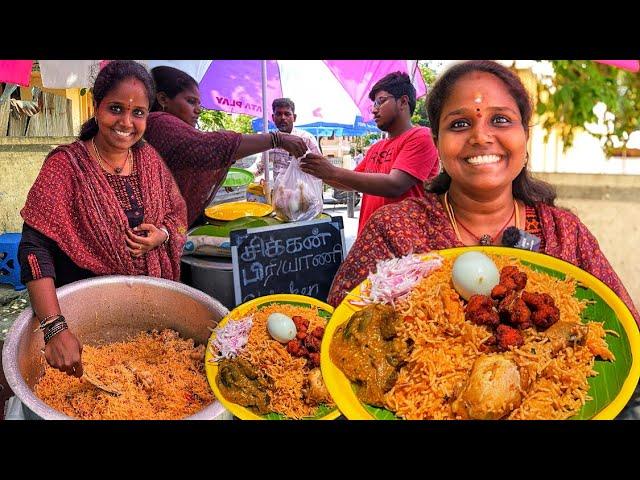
x,y
81,105
20,161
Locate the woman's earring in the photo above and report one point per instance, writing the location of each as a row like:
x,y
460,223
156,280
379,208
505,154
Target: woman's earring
x,y
164,108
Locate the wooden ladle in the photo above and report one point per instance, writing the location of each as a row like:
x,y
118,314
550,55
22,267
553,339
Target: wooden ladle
x,y
98,384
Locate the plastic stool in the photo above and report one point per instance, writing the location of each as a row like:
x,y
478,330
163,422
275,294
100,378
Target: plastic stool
x,y
9,266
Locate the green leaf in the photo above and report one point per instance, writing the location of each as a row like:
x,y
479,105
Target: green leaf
x,y
611,375
321,411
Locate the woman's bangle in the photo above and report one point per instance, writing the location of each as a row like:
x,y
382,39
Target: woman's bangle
x,y
49,320
167,233
54,330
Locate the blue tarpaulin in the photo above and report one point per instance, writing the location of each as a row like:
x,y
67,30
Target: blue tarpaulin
x,y
325,129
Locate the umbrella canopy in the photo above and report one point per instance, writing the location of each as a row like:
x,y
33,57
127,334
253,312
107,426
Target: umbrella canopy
x,y
334,91
631,65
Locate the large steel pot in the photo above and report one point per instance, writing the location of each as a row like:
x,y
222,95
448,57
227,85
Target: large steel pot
x,y
108,309
212,275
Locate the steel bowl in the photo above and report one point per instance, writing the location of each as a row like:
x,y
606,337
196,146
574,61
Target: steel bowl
x,y
104,310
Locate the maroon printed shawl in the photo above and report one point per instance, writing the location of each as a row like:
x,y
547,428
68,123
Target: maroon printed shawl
x,y
198,160
72,203
421,225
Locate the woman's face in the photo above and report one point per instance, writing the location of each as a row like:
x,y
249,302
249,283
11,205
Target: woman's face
x,y
482,142
122,114
185,105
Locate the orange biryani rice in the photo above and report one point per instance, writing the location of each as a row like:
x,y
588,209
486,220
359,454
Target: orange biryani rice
x,y
446,346
159,375
273,363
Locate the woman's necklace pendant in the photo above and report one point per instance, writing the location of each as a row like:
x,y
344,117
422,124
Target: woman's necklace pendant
x,y
485,239
118,170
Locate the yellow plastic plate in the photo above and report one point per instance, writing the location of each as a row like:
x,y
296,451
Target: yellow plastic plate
x,y
234,210
611,389
211,368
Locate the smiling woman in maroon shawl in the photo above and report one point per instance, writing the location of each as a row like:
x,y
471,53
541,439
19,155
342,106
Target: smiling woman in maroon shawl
x,y
73,203
480,113
103,205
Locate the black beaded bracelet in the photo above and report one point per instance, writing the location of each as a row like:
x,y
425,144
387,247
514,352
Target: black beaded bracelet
x,y
54,330
49,321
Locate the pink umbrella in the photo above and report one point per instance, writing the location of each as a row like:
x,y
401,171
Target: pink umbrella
x,y
16,71
330,91
333,91
630,65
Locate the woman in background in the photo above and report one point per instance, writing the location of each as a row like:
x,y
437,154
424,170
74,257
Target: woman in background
x,y
200,160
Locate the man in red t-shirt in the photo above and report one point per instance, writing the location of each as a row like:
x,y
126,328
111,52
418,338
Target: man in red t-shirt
x,y
394,168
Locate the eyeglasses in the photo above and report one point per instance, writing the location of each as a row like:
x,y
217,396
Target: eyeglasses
x,y
377,103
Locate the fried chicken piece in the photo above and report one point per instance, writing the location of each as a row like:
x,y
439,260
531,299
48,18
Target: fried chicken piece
x,y
314,359
301,323
297,349
512,278
312,343
513,310
318,332
480,310
544,310
508,337
499,292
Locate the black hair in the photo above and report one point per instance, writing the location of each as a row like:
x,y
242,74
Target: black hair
x,y
525,188
283,102
397,84
171,81
109,78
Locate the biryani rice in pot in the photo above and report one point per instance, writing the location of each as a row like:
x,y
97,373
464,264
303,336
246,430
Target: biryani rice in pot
x,y
143,338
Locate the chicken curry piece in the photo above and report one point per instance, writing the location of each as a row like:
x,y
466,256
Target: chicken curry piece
x,y
239,383
368,351
492,391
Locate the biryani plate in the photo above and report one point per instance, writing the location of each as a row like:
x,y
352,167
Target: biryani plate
x,y
263,359
481,333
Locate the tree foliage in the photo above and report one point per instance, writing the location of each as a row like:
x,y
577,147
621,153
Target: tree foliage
x,y
419,116
216,120
566,102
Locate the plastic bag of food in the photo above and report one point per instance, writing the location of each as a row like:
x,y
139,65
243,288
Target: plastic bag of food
x,y
296,195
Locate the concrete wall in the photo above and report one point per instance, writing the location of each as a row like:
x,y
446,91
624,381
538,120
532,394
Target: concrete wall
x,y
608,205
594,186
20,162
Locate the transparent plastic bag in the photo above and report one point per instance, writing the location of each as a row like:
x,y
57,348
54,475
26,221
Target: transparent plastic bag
x,y
297,196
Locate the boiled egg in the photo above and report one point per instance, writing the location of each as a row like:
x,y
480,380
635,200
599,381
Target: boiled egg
x,y
281,327
474,274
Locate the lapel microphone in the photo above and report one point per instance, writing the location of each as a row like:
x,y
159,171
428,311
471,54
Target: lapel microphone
x,y
516,238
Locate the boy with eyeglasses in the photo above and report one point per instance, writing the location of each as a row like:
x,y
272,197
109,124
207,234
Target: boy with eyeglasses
x,y
394,168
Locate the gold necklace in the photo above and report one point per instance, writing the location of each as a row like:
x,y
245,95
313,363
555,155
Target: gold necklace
x,y
485,239
118,170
